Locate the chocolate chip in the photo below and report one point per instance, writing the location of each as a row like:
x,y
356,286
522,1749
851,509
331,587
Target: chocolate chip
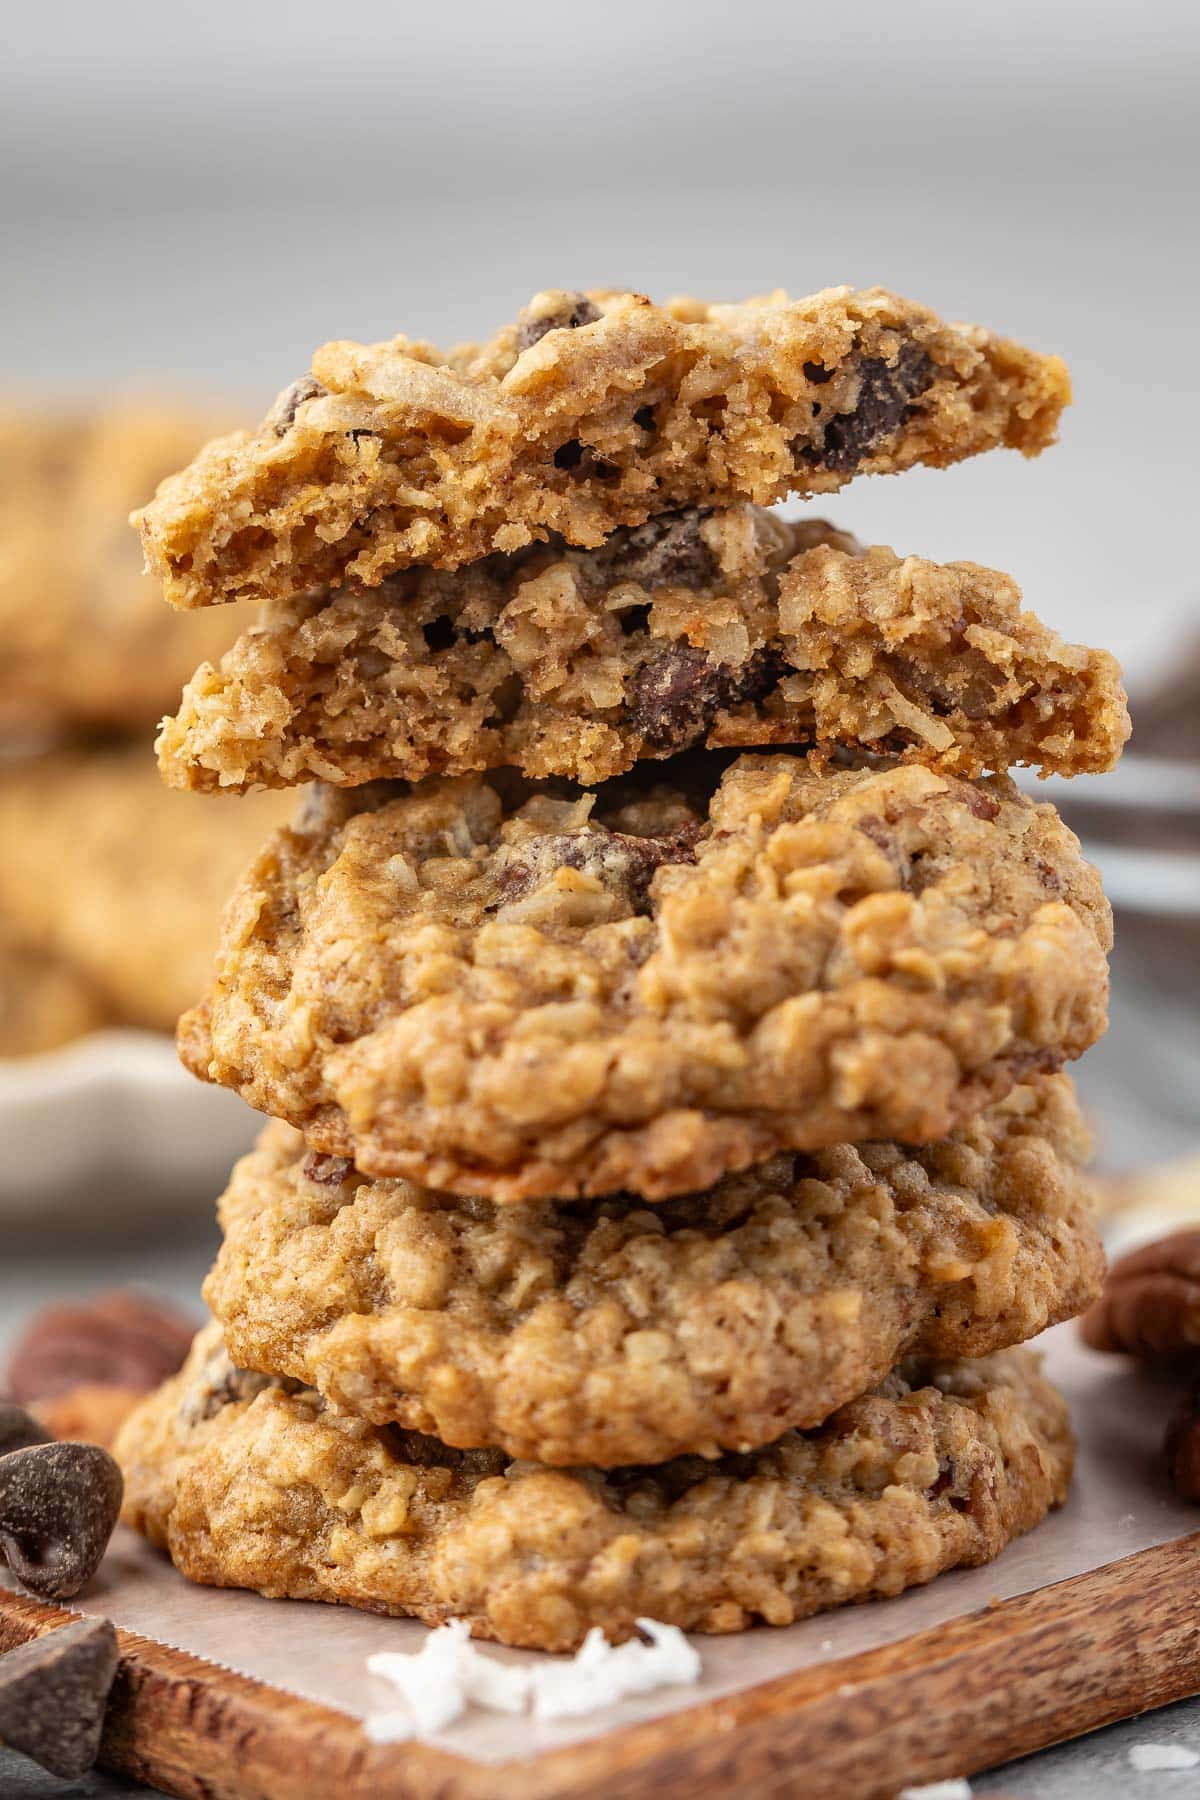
x,y
885,393
668,550
282,415
439,634
622,863
677,694
224,1384
575,310
54,1693
416,1450
817,373
18,1429
58,1507
120,1339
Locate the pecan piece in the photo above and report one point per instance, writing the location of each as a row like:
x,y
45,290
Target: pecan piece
x,y
1150,1307
1183,1447
123,1340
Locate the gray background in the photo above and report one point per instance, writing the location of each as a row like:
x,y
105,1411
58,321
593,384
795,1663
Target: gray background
x,y
195,196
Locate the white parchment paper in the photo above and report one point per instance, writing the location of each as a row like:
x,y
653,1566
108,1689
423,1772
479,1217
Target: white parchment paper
x,y
1120,1503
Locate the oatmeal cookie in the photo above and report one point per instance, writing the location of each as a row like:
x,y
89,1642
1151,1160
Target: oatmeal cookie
x,y
610,1332
249,1485
106,871
593,411
43,1001
87,640
729,627
513,991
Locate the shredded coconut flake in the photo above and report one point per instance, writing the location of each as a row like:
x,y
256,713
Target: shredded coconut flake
x,y
448,1673
601,1673
1149,1758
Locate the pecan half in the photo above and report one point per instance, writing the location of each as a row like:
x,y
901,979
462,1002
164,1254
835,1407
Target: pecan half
x,y
1150,1307
123,1340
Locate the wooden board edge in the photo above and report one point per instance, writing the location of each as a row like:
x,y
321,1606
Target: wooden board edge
x,y
996,1684
202,1732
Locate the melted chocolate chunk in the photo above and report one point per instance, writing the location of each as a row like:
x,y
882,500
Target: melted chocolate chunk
x,y
666,551
679,692
619,861
226,1385
283,413
54,1693
58,1507
576,310
440,633
886,392
422,1452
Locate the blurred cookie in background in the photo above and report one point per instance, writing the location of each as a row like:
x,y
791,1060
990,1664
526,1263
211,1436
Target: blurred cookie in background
x,y
43,1001
87,639
106,873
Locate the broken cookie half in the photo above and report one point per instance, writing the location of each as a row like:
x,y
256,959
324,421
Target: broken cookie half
x,y
593,411
725,627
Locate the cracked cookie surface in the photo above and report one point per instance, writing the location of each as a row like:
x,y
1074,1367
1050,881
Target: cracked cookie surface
x,y
87,640
722,628
591,412
248,1485
520,992
610,1332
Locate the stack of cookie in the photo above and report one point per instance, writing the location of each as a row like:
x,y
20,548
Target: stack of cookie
x,y
659,1001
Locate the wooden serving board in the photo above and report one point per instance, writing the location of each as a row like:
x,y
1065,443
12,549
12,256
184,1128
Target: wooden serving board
x,y
995,1684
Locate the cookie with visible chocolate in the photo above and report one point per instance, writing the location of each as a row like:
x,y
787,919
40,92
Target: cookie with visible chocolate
x,y
591,412
730,627
940,1467
610,1332
517,991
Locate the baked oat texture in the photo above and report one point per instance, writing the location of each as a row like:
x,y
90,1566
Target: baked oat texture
x,y
87,640
248,1485
593,411
513,992
610,1332
107,873
725,628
